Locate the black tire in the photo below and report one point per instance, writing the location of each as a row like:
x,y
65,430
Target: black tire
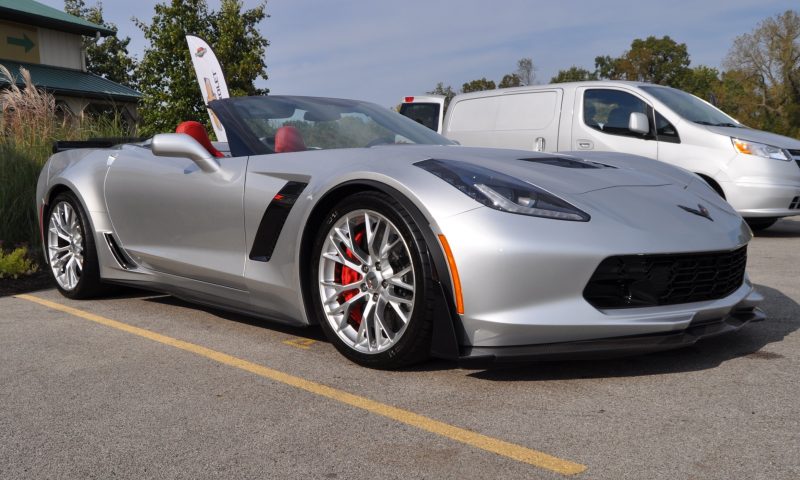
x,y
415,343
758,224
89,284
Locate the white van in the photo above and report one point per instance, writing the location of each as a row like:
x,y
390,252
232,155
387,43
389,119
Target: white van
x,y
757,172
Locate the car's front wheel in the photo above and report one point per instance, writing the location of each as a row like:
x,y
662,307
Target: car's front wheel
x,y
70,248
372,282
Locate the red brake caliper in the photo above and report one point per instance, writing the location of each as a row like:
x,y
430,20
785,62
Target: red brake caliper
x,y
346,275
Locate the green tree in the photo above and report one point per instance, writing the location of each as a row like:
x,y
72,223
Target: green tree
x,y
447,92
573,74
655,60
240,46
509,80
607,67
702,81
768,62
108,56
736,96
478,85
526,71
168,83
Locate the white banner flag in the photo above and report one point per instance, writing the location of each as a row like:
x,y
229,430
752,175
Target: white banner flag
x,y
209,77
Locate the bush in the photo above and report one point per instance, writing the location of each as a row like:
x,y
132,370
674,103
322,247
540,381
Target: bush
x,y
30,122
16,263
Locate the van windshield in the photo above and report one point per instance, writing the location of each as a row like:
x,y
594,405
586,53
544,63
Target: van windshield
x,y
690,107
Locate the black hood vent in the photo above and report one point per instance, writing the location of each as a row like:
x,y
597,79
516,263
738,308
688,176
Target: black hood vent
x,y
566,162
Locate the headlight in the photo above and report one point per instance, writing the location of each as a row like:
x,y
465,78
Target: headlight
x,y
759,149
502,192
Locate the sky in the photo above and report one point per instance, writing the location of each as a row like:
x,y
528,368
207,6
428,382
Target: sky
x,y
382,51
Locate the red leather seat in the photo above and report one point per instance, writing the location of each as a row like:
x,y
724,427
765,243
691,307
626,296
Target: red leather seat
x,y
197,131
288,139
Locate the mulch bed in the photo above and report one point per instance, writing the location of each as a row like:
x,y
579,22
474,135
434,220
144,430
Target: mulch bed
x,y
40,280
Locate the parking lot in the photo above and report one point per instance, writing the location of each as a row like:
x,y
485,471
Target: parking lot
x,y
143,385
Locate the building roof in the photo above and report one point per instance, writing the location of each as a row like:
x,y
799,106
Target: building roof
x,y
35,13
74,83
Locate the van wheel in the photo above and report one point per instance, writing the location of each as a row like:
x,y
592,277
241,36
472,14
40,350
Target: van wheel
x,y
758,224
711,183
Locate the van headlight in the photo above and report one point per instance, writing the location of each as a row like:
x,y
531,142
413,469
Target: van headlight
x,y
502,192
759,149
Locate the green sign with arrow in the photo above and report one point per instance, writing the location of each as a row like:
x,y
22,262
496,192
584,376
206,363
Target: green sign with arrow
x,y
23,42
19,42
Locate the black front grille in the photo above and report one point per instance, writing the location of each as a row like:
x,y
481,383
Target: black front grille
x,y
629,281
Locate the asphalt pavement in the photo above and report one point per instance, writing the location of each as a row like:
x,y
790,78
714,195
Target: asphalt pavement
x,y
143,385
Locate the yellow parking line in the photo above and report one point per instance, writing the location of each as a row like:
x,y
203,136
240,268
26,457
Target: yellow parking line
x,y
304,343
474,439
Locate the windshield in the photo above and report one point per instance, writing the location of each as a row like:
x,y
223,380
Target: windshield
x,y
280,124
690,107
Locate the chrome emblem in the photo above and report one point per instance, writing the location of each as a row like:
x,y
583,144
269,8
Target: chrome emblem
x,y
700,211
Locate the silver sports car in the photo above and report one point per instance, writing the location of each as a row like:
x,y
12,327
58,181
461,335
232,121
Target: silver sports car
x,y
397,242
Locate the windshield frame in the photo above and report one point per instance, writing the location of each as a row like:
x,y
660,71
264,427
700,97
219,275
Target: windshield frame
x,y
668,96
244,141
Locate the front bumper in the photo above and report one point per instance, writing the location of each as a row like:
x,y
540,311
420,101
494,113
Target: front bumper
x,y
613,347
762,199
523,278
761,187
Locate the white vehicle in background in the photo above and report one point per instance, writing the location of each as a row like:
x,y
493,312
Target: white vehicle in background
x,y
757,172
427,110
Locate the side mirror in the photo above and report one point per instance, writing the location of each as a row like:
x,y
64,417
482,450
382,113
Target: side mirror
x,y
182,145
638,123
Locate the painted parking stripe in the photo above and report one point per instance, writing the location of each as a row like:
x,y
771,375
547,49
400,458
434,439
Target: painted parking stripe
x,y
304,343
462,435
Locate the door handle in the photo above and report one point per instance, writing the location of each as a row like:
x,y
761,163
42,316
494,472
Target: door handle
x,y
585,145
539,145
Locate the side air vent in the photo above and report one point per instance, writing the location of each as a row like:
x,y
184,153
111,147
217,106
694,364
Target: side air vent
x,y
119,255
272,222
564,162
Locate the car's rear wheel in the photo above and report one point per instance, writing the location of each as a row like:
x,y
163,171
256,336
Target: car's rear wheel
x,y
71,250
757,224
372,282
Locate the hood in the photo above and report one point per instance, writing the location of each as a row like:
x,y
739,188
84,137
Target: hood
x,y
558,173
757,136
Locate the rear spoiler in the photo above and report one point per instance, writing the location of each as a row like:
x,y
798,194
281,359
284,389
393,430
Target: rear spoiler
x,y
62,145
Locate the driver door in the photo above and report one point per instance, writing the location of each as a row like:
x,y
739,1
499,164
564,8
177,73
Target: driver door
x,y
173,218
601,118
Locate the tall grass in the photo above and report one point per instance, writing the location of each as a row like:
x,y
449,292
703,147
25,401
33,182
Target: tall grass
x,y
30,121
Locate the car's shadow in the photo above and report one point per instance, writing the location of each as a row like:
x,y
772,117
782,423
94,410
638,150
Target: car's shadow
x,y
312,332
783,318
784,228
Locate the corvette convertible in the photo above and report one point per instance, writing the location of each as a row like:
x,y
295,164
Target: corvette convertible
x,y
399,243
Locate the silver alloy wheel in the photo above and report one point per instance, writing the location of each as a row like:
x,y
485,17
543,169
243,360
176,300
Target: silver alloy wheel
x,y
366,281
65,245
